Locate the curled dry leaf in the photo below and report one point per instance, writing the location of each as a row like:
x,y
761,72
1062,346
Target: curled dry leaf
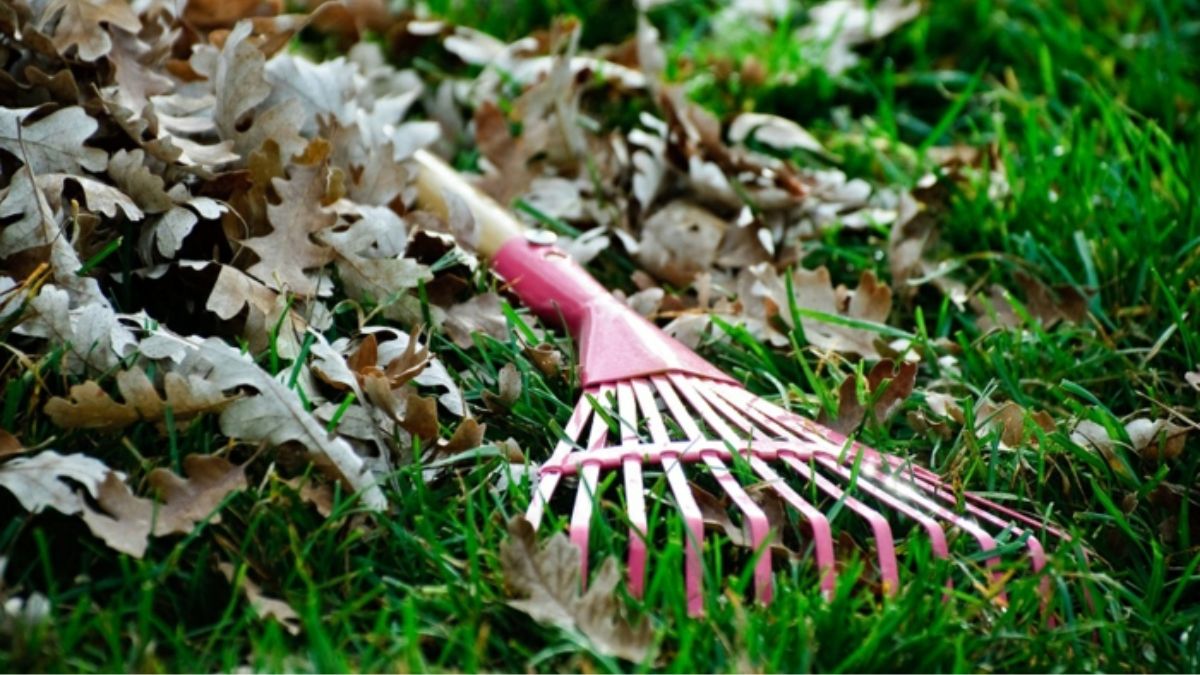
x,y
891,384
764,301
80,24
288,258
1009,420
548,579
90,407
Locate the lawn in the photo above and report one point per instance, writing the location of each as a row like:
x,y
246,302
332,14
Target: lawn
x,y
1021,174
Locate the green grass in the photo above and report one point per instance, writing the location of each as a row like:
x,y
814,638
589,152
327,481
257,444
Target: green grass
x,y
1093,109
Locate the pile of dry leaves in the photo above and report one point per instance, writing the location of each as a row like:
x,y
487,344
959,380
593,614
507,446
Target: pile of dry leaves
x,y
188,205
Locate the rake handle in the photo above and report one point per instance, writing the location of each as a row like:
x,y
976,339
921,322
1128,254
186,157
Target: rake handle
x,y
615,343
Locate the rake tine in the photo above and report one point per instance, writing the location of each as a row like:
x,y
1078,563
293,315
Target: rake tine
x,y
692,518
819,524
880,528
822,532
585,495
635,498
885,544
551,470
759,525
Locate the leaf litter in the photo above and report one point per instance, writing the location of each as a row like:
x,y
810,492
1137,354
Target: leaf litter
x,y
277,190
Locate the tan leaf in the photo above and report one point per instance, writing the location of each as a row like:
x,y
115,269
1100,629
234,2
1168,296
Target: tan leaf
x,y
468,435
10,445
508,381
276,414
420,417
546,358
851,412
1009,419
679,241
90,407
98,197
288,258
79,25
778,132
188,502
1193,379
37,481
264,606
764,298
371,264
548,578
124,520
235,290
52,143
480,314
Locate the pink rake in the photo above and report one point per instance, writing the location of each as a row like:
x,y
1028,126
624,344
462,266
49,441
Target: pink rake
x,y
675,412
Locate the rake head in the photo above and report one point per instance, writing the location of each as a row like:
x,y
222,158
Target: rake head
x,y
651,404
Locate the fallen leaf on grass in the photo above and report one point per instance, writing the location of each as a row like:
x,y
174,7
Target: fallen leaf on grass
x,y
841,25
125,521
37,481
764,298
265,606
548,578
1152,440
480,314
276,414
1193,379
851,412
90,407
1009,419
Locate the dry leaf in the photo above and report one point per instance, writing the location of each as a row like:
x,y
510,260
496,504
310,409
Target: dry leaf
x,y
480,314
52,143
288,258
778,132
124,521
90,407
1193,379
264,606
79,25
548,580
1152,440
851,412
10,445
188,502
1009,419
838,26
37,481
680,241
276,414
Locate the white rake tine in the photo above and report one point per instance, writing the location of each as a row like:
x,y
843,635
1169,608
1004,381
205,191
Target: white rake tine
x,y
635,498
760,527
692,518
819,524
585,495
547,482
